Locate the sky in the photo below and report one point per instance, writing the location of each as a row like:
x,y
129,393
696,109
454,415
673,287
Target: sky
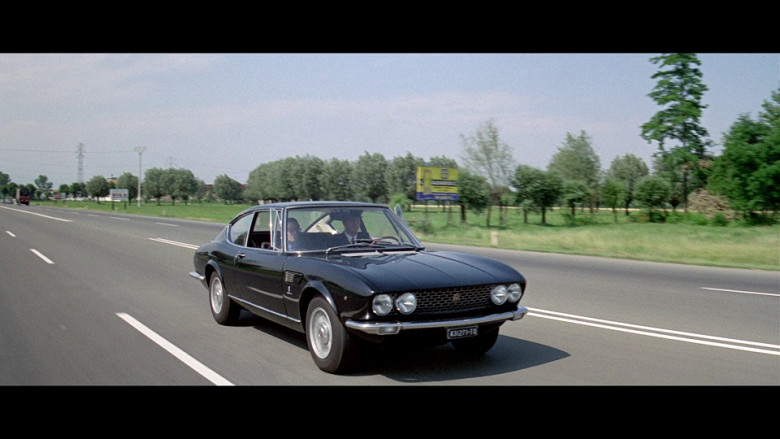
x,y
228,113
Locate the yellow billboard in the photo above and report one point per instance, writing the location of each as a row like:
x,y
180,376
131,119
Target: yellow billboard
x,y
437,183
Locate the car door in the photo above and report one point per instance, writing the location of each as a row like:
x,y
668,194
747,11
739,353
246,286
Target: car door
x,y
258,270
237,236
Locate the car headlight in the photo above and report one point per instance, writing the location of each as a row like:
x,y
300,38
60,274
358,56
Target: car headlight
x,y
406,303
515,292
499,294
382,304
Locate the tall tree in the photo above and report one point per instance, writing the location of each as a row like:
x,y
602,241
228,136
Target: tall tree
x,y
487,155
575,192
64,190
679,91
401,175
227,189
614,192
546,191
523,182
576,160
628,169
78,189
537,188
336,180
473,193
5,180
201,190
43,184
259,182
748,170
155,184
98,187
182,184
652,192
308,170
368,177
130,182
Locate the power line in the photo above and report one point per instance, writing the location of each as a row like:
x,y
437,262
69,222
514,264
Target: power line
x,y
64,152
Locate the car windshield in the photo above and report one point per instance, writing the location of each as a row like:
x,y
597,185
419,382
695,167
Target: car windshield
x,y
347,229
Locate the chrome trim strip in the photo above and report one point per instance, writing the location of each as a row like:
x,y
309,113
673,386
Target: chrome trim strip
x,y
387,328
253,305
198,276
265,293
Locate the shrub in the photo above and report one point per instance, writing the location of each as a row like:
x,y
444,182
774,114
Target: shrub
x,y
424,226
719,219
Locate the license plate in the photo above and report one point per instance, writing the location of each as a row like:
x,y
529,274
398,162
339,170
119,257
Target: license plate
x,y
469,331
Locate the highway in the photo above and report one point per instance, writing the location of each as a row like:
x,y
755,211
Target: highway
x,y
93,299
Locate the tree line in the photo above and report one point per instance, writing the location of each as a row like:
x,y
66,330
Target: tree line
x,y
746,174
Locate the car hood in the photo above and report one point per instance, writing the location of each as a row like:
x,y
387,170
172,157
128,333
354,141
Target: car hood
x,y
424,269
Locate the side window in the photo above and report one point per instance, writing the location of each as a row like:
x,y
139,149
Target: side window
x,y
239,230
261,233
276,228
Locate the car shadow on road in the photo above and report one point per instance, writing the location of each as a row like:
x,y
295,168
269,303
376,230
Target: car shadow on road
x,y
443,363
419,364
273,329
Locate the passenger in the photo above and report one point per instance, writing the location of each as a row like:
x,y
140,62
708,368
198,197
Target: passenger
x,y
293,235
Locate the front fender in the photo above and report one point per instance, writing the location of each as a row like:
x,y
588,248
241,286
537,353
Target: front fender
x,y
346,305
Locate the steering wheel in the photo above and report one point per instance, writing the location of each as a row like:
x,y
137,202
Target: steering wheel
x,y
385,238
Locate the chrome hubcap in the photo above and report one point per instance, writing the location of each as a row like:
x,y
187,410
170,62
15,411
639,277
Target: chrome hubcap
x,y
217,296
320,333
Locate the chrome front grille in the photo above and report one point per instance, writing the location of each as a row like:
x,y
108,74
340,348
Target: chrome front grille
x,y
453,300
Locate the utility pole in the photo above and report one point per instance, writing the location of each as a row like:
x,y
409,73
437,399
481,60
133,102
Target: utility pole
x,y
80,156
140,150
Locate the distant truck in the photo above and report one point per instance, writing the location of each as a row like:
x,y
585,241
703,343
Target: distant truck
x,y
24,196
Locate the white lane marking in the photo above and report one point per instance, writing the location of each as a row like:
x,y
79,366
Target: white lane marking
x,y
39,214
166,224
123,219
185,358
40,255
688,337
741,292
180,244
10,233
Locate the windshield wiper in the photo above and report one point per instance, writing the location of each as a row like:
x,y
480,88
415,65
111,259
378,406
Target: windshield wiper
x,y
362,244
347,246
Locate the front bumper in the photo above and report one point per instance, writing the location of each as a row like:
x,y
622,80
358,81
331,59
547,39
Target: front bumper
x,y
389,328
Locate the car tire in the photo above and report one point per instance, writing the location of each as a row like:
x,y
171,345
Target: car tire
x,y
330,345
224,310
477,345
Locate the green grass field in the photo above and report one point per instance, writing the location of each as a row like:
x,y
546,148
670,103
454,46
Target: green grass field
x,y
689,240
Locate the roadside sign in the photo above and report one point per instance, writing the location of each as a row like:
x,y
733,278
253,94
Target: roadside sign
x,y
437,183
118,194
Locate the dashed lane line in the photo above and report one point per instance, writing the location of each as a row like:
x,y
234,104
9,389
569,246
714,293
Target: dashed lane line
x,y
42,256
177,243
184,357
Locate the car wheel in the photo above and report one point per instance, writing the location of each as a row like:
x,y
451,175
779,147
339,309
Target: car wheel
x,y
224,310
477,345
330,344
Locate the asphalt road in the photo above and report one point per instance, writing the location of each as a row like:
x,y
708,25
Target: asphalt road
x,y
104,299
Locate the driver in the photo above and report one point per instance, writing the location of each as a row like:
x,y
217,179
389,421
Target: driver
x,y
352,232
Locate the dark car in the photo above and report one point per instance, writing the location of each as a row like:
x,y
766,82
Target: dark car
x,y
293,263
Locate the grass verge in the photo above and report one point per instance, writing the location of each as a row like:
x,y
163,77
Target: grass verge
x,y
688,240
